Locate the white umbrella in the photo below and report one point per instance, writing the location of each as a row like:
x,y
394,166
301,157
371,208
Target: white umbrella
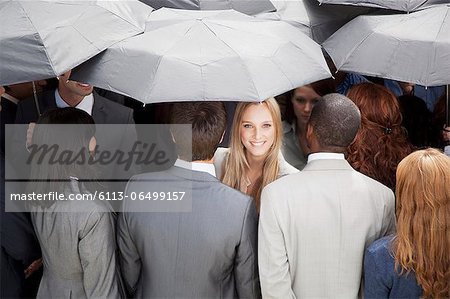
x,y
411,47
402,5
44,38
317,21
207,55
250,7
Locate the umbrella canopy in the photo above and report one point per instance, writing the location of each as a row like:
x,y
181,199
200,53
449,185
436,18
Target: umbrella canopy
x,y
411,47
402,5
207,55
250,7
317,21
43,39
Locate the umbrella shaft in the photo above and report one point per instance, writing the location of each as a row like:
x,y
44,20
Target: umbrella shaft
x,y
447,107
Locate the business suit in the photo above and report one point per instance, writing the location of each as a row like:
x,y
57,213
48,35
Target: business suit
x,y
314,227
104,112
78,248
207,253
7,116
19,246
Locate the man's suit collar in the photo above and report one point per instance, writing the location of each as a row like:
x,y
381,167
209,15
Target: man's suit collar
x,y
47,100
98,110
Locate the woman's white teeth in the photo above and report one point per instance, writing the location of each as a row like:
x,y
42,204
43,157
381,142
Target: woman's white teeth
x,y
258,143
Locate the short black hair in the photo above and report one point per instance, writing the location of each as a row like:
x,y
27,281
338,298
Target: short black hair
x,y
335,120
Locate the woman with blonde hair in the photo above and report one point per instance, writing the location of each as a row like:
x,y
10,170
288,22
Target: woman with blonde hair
x,y
416,261
381,142
254,158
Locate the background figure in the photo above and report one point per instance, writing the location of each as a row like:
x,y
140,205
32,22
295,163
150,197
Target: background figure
x,y
416,119
440,131
208,252
19,246
314,225
299,104
429,95
416,261
81,96
77,237
381,142
254,158
11,98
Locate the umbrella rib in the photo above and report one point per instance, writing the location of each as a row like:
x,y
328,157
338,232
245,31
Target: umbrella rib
x,y
156,71
442,25
245,66
118,16
40,37
354,49
433,55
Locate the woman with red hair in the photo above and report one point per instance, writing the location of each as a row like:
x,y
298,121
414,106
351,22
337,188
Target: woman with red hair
x,y
416,261
381,142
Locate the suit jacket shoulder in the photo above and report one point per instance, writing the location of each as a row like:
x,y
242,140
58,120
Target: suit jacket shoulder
x,y
106,111
27,111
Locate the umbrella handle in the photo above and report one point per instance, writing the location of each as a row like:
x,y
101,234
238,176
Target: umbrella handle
x,y
447,107
35,99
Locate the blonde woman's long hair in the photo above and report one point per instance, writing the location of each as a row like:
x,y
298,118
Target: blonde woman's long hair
x,y
236,164
422,243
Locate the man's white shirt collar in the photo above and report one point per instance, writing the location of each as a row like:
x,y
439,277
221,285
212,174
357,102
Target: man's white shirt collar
x,y
204,167
86,104
325,156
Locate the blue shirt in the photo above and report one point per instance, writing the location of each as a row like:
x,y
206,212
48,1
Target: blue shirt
x,y
350,80
429,95
381,280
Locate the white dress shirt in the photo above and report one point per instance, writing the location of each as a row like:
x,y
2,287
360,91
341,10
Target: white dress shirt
x,y
197,166
325,156
86,104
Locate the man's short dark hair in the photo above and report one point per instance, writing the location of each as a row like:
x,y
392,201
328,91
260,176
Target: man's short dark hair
x,y
208,120
335,120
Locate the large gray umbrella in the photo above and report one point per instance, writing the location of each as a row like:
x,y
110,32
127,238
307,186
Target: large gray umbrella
x,y
402,5
207,55
411,47
42,39
250,7
317,21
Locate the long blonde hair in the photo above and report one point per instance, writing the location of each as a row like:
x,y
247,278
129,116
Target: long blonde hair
x,y
422,243
236,164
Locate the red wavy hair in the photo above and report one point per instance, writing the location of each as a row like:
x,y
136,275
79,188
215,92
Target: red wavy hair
x,y
381,142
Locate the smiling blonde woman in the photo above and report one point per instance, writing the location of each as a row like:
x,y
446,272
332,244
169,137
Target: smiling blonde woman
x,y
254,159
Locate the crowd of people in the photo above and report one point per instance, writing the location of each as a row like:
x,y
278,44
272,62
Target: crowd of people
x,y
328,191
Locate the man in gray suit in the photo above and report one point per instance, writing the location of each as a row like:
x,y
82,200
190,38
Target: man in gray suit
x,y
209,252
315,225
120,134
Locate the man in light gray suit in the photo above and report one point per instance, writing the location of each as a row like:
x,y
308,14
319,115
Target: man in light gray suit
x,y
315,225
209,252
